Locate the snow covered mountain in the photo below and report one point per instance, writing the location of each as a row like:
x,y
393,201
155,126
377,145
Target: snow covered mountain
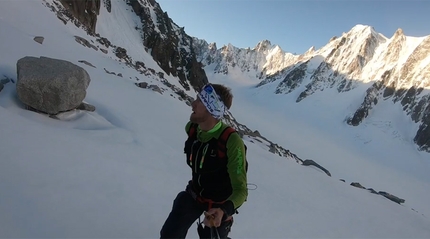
x,y
375,68
363,61
169,46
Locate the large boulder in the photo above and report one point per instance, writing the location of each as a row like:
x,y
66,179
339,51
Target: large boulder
x,y
51,85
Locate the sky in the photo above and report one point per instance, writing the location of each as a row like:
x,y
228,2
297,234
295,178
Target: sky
x,y
294,25
114,172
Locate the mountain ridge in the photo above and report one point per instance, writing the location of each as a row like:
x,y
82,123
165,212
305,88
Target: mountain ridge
x,y
397,69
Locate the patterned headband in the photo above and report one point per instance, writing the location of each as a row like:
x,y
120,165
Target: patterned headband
x,y
212,101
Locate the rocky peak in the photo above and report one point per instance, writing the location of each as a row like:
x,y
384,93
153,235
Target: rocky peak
x,y
227,48
395,46
358,44
333,38
212,47
360,29
398,33
310,51
263,46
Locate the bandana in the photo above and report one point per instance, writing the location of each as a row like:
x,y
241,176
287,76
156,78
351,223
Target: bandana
x,y
212,101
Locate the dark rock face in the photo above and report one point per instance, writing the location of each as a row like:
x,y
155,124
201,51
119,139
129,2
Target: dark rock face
x,y
318,81
392,197
170,46
87,107
108,5
85,11
51,85
370,100
85,42
382,193
121,53
293,79
39,39
357,185
422,138
310,162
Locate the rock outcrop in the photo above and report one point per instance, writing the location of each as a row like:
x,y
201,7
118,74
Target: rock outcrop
x,y
50,85
85,11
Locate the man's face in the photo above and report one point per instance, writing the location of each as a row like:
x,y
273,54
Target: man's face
x,y
200,113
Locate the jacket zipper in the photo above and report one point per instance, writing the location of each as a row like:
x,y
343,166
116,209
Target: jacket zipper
x,y
195,160
191,154
205,149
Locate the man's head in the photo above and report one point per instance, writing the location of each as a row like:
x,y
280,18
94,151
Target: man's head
x,y
211,103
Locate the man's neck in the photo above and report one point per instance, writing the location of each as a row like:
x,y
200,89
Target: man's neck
x,y
208,124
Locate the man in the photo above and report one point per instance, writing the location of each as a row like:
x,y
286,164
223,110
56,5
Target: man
x,y
219,185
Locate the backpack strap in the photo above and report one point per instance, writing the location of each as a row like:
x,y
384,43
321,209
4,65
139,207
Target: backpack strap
x,y
192,135
222,141
192,130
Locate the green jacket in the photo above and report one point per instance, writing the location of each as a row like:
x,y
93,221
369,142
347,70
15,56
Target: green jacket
x,y
222,181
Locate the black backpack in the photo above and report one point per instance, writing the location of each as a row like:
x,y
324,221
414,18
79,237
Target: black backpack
x,y
222,141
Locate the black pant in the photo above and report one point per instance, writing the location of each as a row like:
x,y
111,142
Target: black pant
x,y
185,212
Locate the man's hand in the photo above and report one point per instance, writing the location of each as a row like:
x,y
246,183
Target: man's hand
x,y
213,217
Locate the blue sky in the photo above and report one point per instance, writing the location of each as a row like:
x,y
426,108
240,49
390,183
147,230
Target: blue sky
x,y
294,25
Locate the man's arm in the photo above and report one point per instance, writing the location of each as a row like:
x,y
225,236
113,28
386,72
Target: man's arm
x,y
236,167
